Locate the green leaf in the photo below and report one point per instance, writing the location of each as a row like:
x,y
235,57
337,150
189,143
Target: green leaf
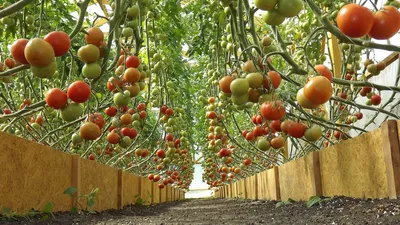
x,y
74,209
71,191
139,201
90,202
313,200
48,208
6,211
45,217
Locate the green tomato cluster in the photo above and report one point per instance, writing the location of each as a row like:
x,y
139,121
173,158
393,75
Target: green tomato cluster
x,y
278,10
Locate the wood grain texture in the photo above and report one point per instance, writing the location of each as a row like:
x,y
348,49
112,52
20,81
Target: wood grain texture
x,y
163,195
295,179
146,190
105,178
130,189
391,151
355,167
169,193
33,175
316,174
251,187
76,177
119,190
156,193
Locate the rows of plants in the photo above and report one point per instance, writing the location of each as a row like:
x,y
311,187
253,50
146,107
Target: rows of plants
x,y
245,84
272,91
109,85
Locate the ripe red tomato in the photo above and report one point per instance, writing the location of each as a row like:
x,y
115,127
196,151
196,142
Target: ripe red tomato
x,y
132,61
250,136
79,91
163,109
125,131
160,153
98,119
276,125
211,115
17,50
247,162
272,110
133,133
275,79
169,112
359,115
60,42
141,107
296,130
143,114
169,137
318,90
324,71
150,176
10,63
7,111
111,111
113,138
376,99
112,82
56,98
254,119
355,20
257,131
386,23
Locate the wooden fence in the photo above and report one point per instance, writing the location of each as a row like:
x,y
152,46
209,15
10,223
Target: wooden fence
x,y
33,175
367,166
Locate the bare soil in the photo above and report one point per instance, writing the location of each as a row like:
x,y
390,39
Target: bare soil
x,y
339,210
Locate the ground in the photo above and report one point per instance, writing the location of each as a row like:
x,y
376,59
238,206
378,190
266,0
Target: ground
x,y
339,210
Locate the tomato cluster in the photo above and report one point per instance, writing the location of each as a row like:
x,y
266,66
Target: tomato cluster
x,y
357,21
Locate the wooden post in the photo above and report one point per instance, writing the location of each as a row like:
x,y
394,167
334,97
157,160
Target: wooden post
x,y
76,177
120,191
277,185
391,151
255,186
316,174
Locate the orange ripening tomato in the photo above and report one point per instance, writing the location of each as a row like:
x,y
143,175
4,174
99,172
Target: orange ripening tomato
x,y
386,23
324,71
318,90
355,20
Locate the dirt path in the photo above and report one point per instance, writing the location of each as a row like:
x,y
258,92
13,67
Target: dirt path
x,y
230,211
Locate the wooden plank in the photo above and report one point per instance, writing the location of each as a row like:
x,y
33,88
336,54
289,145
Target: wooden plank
x,y
391,150
355,167
316,175
168,195
32,175
255,186
130,189
76,177
163,195
335,53
156,193
120,190
146,190
251,187
277,183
